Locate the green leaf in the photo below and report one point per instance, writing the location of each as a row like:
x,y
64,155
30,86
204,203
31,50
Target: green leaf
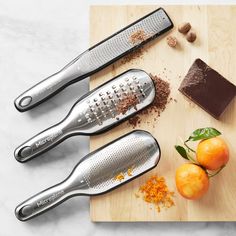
x,y
203,133
181,150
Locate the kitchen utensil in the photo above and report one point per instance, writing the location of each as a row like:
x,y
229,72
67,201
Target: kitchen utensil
x,y
96,58
96,112
136,152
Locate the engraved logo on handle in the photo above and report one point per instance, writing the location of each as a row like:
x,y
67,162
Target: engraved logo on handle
x,y
50,199
50,138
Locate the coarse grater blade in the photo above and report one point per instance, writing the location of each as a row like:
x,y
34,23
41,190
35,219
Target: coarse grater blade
x,y
96,58
96,112
130,155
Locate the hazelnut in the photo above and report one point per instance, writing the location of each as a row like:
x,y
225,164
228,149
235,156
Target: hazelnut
x,y
171,41
191,36
184,27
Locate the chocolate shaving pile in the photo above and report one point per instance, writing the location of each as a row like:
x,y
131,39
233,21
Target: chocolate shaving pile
x,y
158,105
134,121
125,104
162,94
136,38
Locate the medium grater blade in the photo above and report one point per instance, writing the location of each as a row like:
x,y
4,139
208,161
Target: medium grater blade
x,y
96,173
96,58
96,112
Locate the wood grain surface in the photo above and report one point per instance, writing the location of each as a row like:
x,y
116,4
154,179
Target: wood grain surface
x,y
216,45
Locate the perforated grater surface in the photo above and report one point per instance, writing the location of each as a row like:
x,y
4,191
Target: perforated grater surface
x,y
96,173
95,112
96,58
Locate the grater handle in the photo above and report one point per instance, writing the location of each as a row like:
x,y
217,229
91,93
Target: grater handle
x,y
42,202
40,143
73,185
48,87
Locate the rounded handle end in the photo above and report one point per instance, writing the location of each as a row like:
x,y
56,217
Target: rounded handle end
x,y
23,212
22,103
22,153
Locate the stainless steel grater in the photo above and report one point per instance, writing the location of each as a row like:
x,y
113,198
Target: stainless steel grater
x,y
96,58
96,173
95,112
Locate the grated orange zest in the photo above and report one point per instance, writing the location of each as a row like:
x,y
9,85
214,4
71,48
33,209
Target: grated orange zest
x,y
156,192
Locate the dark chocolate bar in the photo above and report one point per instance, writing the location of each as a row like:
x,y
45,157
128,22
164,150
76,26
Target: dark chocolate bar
x,y
207,88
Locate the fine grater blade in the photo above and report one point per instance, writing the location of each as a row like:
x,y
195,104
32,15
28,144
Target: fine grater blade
x,y
96,173
137,151
117,45
99,110
96,58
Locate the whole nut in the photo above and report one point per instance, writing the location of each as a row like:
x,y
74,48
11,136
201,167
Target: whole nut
x,y
171,41
191,36
184,27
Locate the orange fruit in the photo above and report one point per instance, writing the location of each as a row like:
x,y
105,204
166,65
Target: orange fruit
x,y
191,181
212,153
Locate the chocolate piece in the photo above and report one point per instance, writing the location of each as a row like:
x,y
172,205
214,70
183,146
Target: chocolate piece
x,y
207,88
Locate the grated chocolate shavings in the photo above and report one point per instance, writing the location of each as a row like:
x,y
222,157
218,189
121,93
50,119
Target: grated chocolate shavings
x,y
138,53
161,99
134,121
138,36
125,104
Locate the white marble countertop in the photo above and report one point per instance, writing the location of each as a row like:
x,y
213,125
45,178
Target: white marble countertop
x,y
37,38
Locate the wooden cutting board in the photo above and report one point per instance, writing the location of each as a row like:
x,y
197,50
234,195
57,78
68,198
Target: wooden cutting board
x,y
215,27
